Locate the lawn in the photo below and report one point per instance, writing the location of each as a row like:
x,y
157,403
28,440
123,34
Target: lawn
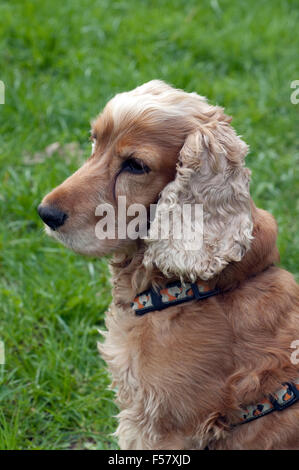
x,y
60,62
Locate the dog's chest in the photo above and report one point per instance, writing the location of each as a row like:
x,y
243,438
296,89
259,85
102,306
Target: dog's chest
x,y
164,353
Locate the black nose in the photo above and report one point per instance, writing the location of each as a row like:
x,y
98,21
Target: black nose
x,y
52,216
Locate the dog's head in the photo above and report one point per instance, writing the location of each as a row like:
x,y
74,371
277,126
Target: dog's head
x,y
157,144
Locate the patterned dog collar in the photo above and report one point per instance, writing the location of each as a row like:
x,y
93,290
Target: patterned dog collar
x,y
173,294
281,399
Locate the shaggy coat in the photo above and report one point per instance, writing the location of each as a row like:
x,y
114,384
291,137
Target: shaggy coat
x,y
182,374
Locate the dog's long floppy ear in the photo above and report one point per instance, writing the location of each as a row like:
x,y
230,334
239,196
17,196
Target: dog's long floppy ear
x,y
210,172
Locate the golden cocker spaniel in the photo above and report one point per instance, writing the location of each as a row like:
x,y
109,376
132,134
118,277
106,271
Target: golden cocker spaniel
x,y
209,371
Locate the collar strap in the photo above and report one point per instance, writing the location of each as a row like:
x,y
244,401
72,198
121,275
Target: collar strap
x,y
286,396
173,294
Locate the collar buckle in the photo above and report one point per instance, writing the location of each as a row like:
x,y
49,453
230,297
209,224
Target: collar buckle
x,y
285,397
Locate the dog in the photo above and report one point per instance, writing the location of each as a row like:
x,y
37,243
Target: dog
x,y
211,366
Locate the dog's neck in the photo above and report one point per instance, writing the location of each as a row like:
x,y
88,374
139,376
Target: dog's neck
x,y
130,277
262,253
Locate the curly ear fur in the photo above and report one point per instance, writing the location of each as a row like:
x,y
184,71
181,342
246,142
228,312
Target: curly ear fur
x,y
210,172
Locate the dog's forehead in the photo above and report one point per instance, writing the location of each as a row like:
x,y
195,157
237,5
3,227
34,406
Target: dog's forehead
x,y
154,105
122,124
154,114
142,115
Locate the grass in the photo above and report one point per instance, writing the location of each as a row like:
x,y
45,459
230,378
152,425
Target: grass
x,y
60,62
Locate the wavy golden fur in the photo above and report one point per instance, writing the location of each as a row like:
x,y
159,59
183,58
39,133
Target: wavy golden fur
x,y
182,374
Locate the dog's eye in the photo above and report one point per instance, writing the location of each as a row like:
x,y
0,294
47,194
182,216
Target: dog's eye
x,y
133,165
